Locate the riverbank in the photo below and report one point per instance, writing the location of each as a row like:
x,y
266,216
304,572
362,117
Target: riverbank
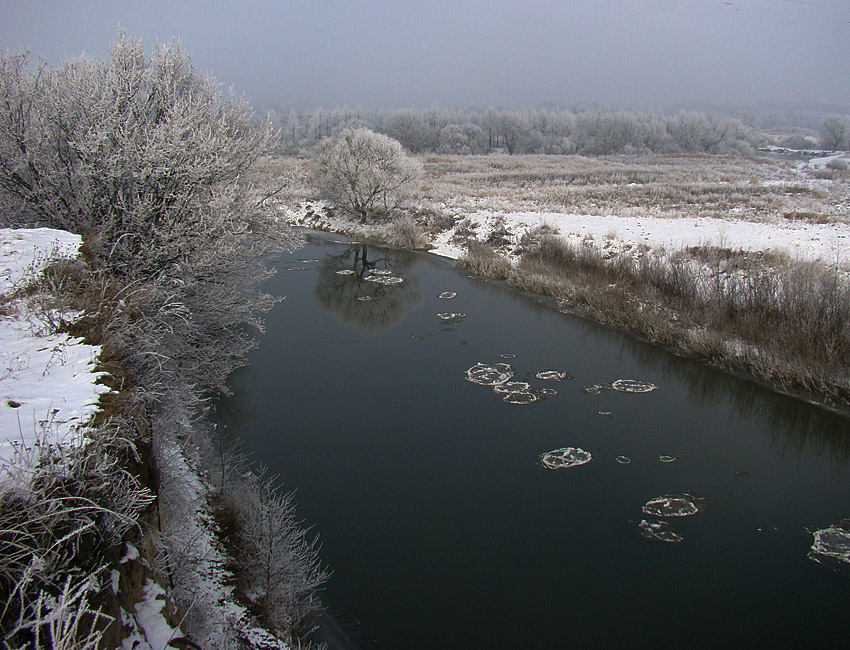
x,y
153,511
742,262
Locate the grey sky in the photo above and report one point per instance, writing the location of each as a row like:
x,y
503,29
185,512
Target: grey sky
x,y
393,53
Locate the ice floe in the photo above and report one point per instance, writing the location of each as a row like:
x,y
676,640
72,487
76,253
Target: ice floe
x,y
489,375
382,278
659,531
345,272
623,460
674,505
831,546
621,386
450,317
564,457
520,397
447,295
666,458
553,375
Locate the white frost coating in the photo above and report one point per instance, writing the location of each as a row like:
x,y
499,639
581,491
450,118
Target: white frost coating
x,y
489,375
47,384
564,457
674,505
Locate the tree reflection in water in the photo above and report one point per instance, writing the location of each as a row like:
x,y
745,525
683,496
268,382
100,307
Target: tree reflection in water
x,y
372,307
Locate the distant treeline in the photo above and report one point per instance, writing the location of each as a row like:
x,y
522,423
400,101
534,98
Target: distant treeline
x,y
588,130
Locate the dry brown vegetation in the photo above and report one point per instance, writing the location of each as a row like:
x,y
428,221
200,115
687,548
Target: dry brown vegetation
x,y
647,185
786,322
669,186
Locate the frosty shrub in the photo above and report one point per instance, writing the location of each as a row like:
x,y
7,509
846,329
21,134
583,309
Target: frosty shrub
x,y
364,172
135,153
277,564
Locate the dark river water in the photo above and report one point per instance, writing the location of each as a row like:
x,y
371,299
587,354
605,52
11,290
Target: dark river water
x,y
443,531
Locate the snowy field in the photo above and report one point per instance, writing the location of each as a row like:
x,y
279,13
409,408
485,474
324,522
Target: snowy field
x,y
801,209
47,380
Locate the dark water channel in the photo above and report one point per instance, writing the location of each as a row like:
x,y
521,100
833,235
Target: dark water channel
x,y
441,529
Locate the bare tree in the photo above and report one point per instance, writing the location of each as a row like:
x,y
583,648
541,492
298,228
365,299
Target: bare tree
x,y
835,132
365,172
279,569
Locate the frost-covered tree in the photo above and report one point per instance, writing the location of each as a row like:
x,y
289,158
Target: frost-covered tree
x,y
835,132
365,172
135,153
463,139
410,129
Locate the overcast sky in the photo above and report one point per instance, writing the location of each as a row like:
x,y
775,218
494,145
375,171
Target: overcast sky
x,y
398,53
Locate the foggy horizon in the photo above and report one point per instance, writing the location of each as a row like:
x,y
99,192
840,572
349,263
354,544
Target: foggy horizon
x,y
642,54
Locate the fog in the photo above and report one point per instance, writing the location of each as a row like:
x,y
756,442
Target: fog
x,y
382,53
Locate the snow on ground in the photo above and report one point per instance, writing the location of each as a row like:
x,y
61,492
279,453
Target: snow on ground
x,y
825,242
805,241
47,380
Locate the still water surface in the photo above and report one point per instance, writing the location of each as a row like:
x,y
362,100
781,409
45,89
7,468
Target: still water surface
x,y
441,529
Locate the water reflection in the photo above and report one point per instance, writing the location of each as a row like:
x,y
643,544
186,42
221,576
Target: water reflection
x,y
370,288
795,425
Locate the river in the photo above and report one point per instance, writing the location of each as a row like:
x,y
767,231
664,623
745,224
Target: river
x,y
440,524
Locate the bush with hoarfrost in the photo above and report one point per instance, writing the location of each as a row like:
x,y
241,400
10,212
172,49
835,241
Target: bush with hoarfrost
x,y
364,172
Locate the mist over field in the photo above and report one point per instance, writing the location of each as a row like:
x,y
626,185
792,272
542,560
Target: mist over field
x,y
622,53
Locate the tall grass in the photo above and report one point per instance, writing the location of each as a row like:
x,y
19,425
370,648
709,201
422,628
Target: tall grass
x,y
786,322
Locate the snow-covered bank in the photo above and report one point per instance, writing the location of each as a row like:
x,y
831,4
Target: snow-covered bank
x,y
827,243
48,385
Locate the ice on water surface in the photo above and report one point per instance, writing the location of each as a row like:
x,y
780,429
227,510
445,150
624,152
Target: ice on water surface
x,y
633,386
665,458
512,387
345,272
382,278
553,375
450,318
564,457
623,460
621,386
520,397
659,531
831,546
447,295
674,505
489,375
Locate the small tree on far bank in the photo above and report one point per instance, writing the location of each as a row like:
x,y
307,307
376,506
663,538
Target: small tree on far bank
x,y
835,132
364,172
